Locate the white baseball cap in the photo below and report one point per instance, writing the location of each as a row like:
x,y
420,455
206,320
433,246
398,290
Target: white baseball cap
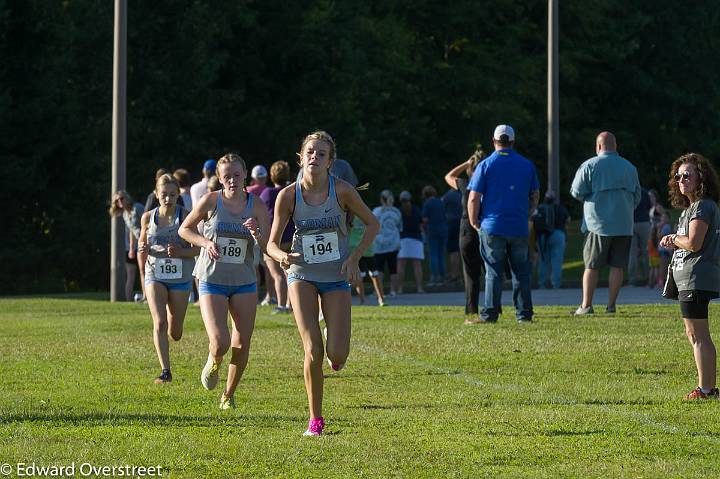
x,y
501,130
259,171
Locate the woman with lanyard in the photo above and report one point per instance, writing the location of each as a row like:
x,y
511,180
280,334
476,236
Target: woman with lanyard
x,y
168,269
233,221
695,265
319,263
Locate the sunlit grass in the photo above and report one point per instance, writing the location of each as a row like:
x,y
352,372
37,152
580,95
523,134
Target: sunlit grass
x,y
422,396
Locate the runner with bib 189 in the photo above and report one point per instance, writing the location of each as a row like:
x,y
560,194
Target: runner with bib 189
x,y
233,221
320,262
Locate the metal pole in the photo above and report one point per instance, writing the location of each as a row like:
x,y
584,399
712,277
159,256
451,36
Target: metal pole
x,y
553,100
117,228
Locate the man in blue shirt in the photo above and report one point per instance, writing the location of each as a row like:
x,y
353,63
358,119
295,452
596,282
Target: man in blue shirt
x,y
608,186
506,186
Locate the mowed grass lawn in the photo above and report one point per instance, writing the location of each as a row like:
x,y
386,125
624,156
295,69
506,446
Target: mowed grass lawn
x,y
422,396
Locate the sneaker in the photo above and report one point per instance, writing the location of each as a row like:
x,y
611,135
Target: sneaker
x,y
381,303
165,377
315,427
697,394
584,311
268,301
610,310
335,367
524,320
227,402
209,376
278,310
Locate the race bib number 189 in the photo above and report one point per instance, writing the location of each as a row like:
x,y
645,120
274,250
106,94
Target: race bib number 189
x,y
320,248
168,268
232,250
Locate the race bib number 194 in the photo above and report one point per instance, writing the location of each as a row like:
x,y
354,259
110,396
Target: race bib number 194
x,y
232,250
320,248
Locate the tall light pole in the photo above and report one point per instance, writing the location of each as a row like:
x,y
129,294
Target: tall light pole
x,y
117,243
553,110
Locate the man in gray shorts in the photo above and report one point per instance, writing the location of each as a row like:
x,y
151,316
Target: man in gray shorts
x,y
608,186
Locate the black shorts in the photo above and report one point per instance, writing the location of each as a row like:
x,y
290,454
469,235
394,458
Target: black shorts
x,y
381,259
367,266
130,260
694,303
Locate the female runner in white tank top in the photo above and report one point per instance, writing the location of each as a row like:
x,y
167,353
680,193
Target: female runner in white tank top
x,y
319,263
233,221
168,269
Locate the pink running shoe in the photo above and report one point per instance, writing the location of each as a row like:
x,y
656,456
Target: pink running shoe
x,y
335,367
315,427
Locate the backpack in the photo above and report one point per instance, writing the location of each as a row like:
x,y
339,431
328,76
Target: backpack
x,y
544,219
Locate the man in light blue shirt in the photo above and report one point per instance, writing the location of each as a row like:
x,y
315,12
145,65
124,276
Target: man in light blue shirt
x,y
506,186
608,186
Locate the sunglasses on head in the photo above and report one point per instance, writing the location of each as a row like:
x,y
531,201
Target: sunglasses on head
x,y
684,176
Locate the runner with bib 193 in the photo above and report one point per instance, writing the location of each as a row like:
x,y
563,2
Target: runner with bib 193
x,y
168,269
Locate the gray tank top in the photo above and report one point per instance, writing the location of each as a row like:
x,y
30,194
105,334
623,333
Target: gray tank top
x,y
158,267
321,238
235,265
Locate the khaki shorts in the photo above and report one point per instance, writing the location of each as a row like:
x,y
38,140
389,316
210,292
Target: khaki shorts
x,y
613,251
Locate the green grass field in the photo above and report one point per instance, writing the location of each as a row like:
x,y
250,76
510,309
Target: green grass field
x,y
422,396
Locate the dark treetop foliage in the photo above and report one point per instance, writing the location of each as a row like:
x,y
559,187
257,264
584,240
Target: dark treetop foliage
x,y
407,87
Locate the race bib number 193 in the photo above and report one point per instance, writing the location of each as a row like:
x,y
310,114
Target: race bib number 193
x,y
232,250
320,248
168,268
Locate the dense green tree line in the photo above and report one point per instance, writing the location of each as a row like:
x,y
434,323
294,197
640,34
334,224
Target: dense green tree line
x,y
407,87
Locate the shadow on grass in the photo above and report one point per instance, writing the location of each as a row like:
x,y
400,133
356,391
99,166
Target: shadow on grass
x,y
98,419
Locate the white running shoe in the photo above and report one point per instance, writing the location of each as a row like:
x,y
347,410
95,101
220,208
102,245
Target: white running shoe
x,y
209,376
227,402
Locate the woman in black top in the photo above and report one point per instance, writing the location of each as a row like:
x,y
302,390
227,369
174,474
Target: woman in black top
x,y
469,240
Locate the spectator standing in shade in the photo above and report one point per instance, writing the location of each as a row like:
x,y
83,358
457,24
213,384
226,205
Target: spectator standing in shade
x,y
199,189
343,170
608,186
550,223
259,184
411,245
469,242
436,232
122,203
505,185
259,180
387,241
638,269
279,175
182,176
452,199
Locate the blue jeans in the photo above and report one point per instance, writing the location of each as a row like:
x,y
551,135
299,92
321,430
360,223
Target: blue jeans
x,y
552,254
436,250
495,250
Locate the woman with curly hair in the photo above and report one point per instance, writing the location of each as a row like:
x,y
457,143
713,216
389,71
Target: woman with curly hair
x,y
695,264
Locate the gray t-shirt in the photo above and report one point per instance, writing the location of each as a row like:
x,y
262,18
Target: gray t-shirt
x,y
699,270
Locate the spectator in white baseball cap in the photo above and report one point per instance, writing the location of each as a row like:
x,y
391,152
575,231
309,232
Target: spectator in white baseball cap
x,y
505,131
259,176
